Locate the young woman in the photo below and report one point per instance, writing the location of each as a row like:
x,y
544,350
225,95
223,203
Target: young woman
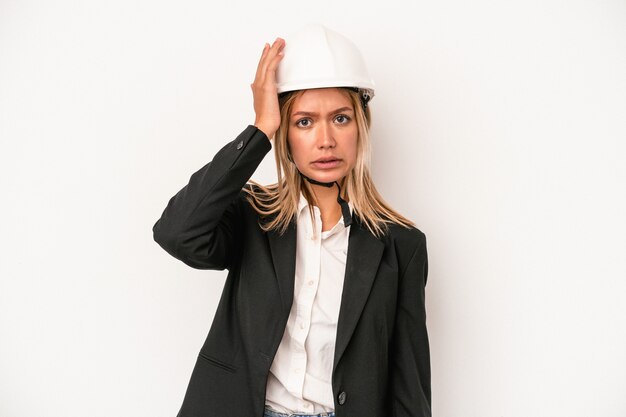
x,y
322,313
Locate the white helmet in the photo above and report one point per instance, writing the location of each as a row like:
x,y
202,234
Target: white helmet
x,y
317,57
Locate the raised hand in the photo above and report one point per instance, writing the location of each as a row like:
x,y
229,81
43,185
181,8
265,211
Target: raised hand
x,y
264,89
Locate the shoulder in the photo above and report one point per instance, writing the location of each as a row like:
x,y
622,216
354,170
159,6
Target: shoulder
x,y
405,236
407,242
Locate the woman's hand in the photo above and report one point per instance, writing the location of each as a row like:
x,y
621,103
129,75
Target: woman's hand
x,y
264,89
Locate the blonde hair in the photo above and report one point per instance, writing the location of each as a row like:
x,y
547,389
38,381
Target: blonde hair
x,y
277,204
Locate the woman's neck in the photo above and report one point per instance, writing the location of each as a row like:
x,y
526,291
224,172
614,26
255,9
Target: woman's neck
x,y
326,201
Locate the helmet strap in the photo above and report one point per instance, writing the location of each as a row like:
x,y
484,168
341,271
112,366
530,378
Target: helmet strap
x,y
345,208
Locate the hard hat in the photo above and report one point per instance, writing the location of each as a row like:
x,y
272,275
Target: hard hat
x,y
317,57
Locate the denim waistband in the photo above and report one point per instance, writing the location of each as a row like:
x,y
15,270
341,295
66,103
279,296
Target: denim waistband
x,y
271,413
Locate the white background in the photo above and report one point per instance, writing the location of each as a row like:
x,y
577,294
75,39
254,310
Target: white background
x,y
499,127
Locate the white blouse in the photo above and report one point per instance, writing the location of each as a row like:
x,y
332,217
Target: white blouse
x,y
300,376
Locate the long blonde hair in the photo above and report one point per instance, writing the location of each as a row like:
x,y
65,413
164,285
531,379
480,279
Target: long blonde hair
x,y
277,204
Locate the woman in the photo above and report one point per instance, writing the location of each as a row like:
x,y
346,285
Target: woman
x,y
322,312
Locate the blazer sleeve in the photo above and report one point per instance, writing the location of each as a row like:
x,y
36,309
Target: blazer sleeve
x,y
410,356
200,224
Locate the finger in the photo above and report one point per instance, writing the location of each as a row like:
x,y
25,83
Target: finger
x,y
270,72
262,67
274,50
273,65
259,68
275,60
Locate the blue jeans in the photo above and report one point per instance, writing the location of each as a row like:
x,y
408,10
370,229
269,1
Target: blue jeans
x,y
272,413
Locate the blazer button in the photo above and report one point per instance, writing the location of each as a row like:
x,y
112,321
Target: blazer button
x,y
240,145
342,398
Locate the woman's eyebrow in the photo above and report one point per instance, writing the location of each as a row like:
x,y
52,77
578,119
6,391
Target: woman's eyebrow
x,y
309,113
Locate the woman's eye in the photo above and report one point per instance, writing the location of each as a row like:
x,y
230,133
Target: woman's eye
x,y
303,123
342,119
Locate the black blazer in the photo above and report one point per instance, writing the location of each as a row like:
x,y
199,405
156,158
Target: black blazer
x,y
381,363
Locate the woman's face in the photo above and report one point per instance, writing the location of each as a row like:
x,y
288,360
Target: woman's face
x,y
323,134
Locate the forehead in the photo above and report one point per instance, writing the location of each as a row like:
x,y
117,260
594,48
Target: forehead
x,y
322,99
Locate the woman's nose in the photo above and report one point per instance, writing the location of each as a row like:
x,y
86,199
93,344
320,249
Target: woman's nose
x,y
325,137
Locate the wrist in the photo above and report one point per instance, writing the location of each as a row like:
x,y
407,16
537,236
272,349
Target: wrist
x,y
269,132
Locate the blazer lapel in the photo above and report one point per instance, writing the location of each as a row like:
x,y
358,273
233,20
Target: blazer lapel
x,y
283,248
364,254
